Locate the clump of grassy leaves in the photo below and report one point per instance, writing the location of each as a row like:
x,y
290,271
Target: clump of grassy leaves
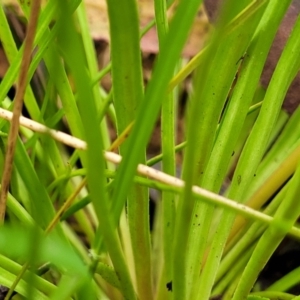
x,y
77,225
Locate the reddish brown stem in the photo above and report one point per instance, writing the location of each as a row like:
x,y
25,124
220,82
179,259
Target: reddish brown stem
x,y
18,103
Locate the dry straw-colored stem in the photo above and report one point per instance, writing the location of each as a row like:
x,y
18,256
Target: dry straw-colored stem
x,y
148,172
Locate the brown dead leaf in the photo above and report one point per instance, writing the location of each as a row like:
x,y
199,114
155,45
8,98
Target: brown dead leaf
x,y
99,24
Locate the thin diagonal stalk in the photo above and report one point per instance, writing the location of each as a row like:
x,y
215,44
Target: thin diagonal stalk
x,y
151,173
18,104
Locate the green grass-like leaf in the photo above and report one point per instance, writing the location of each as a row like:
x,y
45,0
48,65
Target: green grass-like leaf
x,y
78,226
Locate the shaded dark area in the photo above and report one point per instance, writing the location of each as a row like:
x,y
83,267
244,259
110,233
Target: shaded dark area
x,y
3,292
285,259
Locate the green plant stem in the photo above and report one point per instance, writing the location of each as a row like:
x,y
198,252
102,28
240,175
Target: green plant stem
x,y
16,281
202,130
276,179
248,237
98,99
257,141
286,282
128,94
92,65
274,295
233,273
149,108
182,145
224,144
197,59
107,68
277,154
168,136
74,56
286,211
